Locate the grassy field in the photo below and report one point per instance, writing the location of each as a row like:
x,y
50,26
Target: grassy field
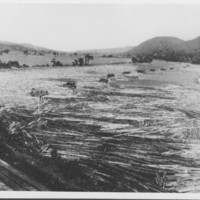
x,y
139,133
66,60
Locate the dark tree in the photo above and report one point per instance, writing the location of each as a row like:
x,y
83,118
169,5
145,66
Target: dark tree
x,y
26,52
81,61
141,59
55,53
6,51
75,62
56,62
88,57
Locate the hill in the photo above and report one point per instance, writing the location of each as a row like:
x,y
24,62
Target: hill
x,y
28,55
168,48
26,48
16,47
194,44
30,46
160,44
109,51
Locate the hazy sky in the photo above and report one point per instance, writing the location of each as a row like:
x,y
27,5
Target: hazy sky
x,y
72,27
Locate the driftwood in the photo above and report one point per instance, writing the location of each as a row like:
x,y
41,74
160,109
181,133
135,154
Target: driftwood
x,y
105,140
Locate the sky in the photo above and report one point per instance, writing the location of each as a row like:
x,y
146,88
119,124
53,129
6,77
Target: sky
x,y
69,27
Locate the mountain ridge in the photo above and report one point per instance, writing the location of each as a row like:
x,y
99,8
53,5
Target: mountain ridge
x,y
21,47
162,47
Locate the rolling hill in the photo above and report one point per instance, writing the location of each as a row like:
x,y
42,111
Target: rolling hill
x,y
20,48
159,44
28,55
194,44
108,51
165,48
168,48
32,48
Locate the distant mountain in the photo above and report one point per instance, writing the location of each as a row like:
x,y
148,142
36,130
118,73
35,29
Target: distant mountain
x,y
30,46
158,45
168,48
108,51
4,46
22,47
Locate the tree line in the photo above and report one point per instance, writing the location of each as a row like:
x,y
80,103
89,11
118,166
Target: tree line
x,y
83,61
193,57
10,64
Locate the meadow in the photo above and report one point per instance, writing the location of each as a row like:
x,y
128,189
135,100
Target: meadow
x,y
66,59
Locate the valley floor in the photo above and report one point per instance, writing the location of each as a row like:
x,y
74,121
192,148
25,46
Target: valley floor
x,y
138,133
65,60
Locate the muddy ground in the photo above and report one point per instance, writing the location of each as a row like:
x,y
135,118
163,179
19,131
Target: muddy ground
x,y
138,133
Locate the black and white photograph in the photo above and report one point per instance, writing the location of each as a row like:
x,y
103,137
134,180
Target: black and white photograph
x,y
100,97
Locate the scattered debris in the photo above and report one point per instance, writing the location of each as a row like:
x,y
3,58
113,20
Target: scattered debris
x,y
106,140
38,93
140,71
110,75
126,72
161,178
70,84
54,154
103,80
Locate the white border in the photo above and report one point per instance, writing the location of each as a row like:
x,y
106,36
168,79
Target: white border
x,y
160,2
99,195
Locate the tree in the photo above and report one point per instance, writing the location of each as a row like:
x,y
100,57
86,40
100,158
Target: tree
x,y
56,62
6,51
55,53
75,62
141,59
26,52
88,57
81,61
